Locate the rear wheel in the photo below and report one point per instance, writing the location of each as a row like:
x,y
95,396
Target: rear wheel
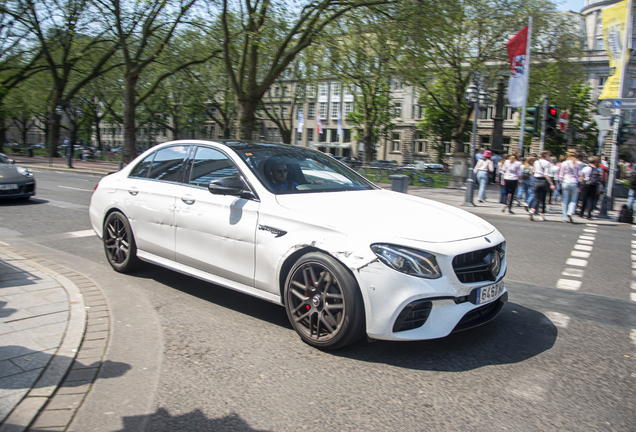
x,y
119,243
323,302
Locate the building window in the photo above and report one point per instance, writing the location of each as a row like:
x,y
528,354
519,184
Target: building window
x,y
348,108
348,90
311,111
395,144
299,137
323,136
485,140
600,44
483,113
322,110
602,81
417,111
347,135
397,109
277,91
284,91
299,109
322,89
336,89
633,85
421,147
335,109
311,90
310,135
284,113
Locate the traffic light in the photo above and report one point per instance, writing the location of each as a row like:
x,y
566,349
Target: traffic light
x,y
551,121
532,118
622,131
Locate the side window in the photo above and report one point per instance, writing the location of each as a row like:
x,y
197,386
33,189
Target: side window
x,y
143,168
168,163
210,164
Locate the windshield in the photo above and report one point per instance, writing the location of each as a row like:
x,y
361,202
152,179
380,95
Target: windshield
x,y
290,170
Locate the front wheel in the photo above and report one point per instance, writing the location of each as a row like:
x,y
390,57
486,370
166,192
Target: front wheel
x,y
323,302
119,243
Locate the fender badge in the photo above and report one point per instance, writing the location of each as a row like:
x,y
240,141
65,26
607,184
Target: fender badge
x,y
279,233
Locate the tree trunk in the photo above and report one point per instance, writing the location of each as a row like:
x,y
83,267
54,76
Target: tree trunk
x,y
246,117
368,144
129,151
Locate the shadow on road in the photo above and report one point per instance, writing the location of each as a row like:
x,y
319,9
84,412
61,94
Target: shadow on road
x,y
195,421
517,334
225,297
15,202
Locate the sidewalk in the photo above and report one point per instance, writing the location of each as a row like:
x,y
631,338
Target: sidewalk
x,y
55,323
54,329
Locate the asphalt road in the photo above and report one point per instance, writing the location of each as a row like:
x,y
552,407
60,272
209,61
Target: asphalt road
x,y
207,358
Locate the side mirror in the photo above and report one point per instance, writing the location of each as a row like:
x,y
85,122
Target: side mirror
x,y
234,186
11,161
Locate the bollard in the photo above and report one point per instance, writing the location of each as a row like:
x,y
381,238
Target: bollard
x,y
399,183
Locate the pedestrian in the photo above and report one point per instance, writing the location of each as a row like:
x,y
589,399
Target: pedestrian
x,y
482,170
554,175
590,178
495,158
631,195
527,183
479,154
499,177
542,184
569,174
512,170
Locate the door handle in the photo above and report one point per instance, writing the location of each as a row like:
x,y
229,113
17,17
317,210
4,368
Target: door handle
x,y
187,199
133,191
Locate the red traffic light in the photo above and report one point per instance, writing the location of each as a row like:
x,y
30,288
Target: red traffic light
x,y
553,111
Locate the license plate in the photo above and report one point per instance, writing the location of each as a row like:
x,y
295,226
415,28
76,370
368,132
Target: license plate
x,y
489,293
8,186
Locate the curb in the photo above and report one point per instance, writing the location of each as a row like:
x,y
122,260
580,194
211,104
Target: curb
x,y
60,390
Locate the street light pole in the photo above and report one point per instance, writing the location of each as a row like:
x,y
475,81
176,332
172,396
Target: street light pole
x,y
470,181
474,94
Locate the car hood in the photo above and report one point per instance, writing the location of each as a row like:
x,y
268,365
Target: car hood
x,y
10,173
387,215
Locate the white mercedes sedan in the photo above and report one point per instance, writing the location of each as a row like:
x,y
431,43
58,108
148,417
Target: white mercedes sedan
x,y
296,227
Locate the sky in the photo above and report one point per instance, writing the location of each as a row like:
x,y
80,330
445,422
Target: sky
x,y
575,5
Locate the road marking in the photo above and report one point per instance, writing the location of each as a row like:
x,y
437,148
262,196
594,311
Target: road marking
x,y
558,319
84,233
576,262
632,297
632,285
583,247
591,225
587,237
632,336
74,188
590,230
573,272
586,242
569,284
580,254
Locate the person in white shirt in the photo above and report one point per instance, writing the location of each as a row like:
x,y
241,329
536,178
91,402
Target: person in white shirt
x,y
512,171
569,174
542,184
482,171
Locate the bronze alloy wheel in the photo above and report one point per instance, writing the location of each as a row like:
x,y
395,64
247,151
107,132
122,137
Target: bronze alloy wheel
x,y
323,302
119,243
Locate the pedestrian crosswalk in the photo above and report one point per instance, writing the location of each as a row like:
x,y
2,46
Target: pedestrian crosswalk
x,y
572,279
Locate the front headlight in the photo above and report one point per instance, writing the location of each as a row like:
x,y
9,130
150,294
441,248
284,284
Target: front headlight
x,y
409,261
25,171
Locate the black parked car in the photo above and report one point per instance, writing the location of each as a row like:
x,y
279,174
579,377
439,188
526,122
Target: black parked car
x,y
351,162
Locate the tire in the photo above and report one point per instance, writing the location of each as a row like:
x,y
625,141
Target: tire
x,y
119,243
431,181
323,302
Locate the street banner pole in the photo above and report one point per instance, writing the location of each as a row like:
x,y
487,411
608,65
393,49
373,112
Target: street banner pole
x,y
527,77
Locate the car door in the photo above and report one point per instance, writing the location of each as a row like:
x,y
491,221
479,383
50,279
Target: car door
x,y
149,196
215,233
